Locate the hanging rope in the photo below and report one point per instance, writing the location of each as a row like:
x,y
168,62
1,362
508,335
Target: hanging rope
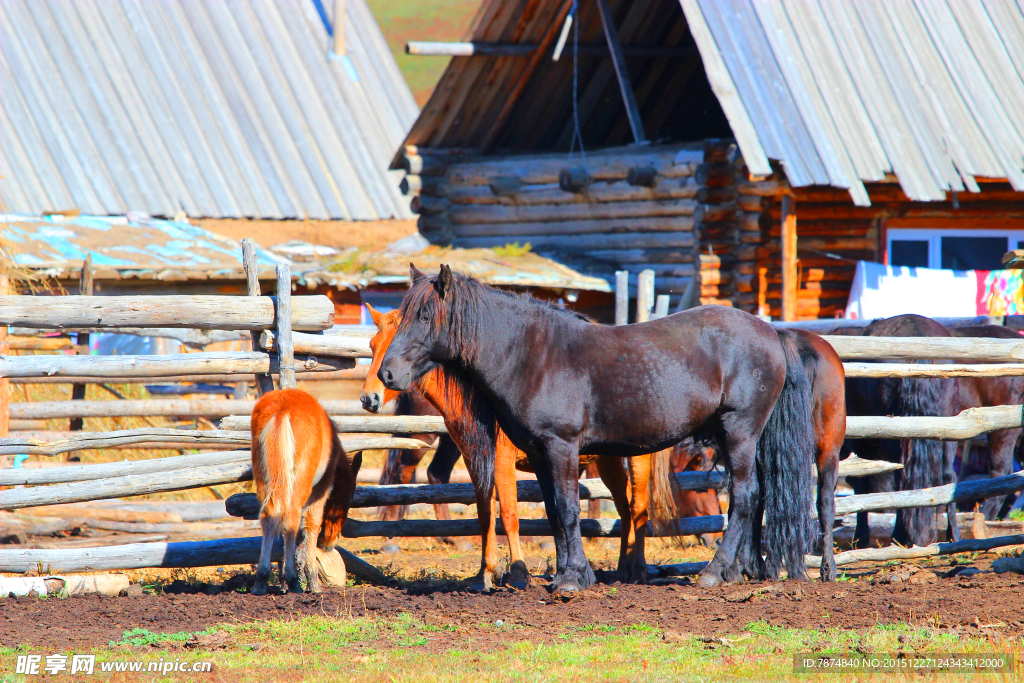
x,y
576,134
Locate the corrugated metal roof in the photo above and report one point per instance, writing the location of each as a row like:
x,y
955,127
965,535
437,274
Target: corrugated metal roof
x,y
214,108
842,92
147,249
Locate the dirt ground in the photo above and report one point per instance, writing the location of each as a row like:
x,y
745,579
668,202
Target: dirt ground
x,y
367,235
984,603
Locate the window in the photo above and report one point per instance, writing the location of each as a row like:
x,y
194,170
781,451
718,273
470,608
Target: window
x,y
952,249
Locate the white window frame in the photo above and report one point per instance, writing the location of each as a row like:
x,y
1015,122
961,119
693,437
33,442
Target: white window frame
x,y
934,238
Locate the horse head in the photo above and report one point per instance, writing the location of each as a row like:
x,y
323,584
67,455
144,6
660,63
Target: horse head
x,y
374,395
421,341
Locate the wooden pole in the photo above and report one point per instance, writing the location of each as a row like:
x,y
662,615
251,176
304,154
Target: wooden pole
x,y
85,288
286,351
172,555
166,365
660,307
928,348
320,344
938,370
5,384
352,373
309,313
971,545
338,28
644,295
621,297
209,408
789,266
377,424
611,34
264,382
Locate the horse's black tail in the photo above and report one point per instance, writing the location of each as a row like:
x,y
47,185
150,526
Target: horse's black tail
x,y
923,459
786,469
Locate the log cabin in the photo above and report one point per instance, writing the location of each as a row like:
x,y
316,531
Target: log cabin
x,y
751,151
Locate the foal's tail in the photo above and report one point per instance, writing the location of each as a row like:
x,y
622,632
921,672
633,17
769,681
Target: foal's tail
x,y
273,461
786,469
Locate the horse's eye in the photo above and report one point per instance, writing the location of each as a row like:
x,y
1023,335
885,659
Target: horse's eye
x,y
424,316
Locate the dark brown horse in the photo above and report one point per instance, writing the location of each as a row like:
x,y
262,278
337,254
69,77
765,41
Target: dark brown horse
x,y
977,392
926,462
561,387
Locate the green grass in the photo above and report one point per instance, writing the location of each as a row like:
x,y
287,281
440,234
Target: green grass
x,y
406,648
435,20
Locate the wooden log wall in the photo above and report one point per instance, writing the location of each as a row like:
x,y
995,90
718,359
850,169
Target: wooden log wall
x,y
716,222
624,208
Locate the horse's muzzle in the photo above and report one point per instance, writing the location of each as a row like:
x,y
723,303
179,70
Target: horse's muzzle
x,y
371,401
393,381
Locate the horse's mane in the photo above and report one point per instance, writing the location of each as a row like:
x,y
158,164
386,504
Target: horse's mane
x,y
459,313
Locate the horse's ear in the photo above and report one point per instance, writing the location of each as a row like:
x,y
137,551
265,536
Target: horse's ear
x,y
375,314
415,273
444,281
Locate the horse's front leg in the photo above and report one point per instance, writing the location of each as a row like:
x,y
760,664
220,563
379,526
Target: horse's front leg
x,y
558,475
1000,463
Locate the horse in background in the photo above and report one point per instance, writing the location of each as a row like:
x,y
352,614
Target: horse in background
x,y
978,392
448,392
926,462
401,463
303,477
562,387
690,456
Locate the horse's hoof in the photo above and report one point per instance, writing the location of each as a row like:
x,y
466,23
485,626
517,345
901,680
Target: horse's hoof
x,y
294,586
709,580
571,583
517,577
259,588
481,583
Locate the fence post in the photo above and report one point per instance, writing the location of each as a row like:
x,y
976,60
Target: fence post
x,y
644,295
264,383
660,307
5,384
85,288
622,297
285,350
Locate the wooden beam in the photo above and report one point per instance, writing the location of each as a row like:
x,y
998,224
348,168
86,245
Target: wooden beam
x,y
179,555
286,351
321,344
516,91
5,384
967,425
156,366
937,370
151,407
264,382
622,297
85,288
927,348
644,295
396,424
309,313
611,34
338,46
789,265
428,48
892,552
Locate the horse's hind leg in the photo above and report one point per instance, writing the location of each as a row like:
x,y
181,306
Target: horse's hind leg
x,y
1000,463
828,474
269,526
639,501
439,472
290,531
312,520
614,477
508,498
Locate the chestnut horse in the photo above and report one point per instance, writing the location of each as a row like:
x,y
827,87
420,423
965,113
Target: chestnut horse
x,y
977,392
302,476
560,387
444,388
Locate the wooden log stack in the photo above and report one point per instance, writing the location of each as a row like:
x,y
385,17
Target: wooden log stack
x,y
633,208
715,227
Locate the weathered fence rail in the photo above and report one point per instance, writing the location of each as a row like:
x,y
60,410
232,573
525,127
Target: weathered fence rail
x,y
46,410
199,312
156,366
928,348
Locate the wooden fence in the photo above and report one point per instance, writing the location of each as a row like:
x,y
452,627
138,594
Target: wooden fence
x,y
270,322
